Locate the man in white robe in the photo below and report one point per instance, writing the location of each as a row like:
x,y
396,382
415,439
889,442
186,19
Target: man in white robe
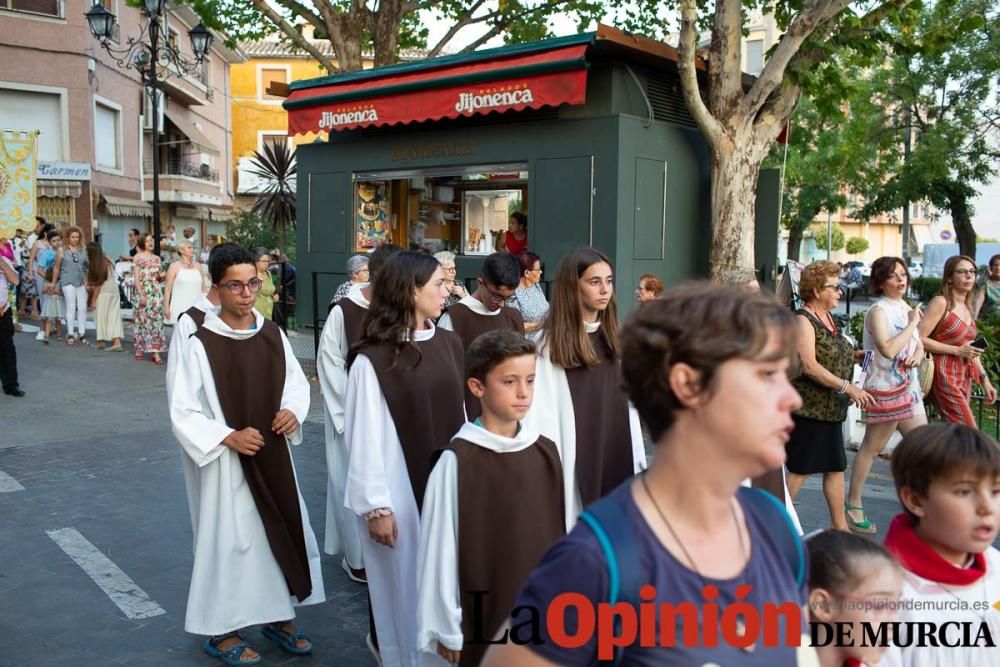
x,y
331,365
236,580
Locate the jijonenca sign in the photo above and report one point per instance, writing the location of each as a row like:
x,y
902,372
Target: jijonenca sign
x,y
64,171
470,102
331,119
407,154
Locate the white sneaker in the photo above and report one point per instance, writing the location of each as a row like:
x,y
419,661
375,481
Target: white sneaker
x,y
40,335
352,574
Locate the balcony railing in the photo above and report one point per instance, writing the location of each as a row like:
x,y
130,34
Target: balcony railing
x,y
184,168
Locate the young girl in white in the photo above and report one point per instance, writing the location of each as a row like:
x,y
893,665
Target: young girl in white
x,y
851,580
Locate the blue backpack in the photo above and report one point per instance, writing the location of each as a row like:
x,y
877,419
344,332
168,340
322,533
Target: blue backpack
x,y
608,520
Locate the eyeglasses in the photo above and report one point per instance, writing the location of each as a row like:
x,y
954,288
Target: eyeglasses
x,y
834,287
966,272
236,287
451,269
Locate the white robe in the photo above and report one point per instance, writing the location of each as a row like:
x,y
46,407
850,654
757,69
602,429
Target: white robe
x,y
439,601
552,415
236,581
176,352
473,304
377,478
940,604
331,364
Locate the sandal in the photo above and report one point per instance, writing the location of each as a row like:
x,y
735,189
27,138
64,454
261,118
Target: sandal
x,y
287,640
138,356
865,526
232,655
158,362
70,341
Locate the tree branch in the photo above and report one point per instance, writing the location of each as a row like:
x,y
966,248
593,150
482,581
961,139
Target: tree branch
x,y
264,7
687,69
464,20
499,27
817,13
725,88
299,9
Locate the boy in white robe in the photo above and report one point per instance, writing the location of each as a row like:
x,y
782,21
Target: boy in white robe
x,y
948,480
237,580
493,506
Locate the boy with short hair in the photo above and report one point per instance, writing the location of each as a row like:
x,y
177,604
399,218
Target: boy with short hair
x,y
484,309
237,402
948,481
493,506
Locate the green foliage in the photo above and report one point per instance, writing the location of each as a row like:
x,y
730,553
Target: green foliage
x,y
856,245
926,288
836,234
940,82
986,239
252,231
855,327
276,204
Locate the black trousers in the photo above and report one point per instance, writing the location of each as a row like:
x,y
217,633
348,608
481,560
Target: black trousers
x,y
8,355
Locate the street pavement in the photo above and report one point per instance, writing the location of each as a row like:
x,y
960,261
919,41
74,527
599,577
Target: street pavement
x,y
92,494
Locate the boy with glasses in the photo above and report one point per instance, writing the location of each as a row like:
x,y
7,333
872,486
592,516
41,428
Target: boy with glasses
x,y
485,310
238,399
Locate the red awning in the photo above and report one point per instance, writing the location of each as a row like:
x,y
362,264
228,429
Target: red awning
x,y
527,81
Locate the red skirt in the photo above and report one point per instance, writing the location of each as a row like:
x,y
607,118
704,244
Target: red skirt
x,y
892,405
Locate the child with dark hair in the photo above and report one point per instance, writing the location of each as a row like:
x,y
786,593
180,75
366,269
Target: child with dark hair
x,y
948,481
707,368
852,580
238,400
403,401
484,309
493,506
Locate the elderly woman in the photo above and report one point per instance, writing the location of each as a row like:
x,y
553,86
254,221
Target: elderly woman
x,y
650,287
187,280
948,331
456,292
529,298
817,443
890,333
357,271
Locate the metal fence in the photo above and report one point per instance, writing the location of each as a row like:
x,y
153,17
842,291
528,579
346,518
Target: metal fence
x,y
987,414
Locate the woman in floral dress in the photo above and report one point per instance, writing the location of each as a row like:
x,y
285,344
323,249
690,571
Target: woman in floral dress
x,y
148,302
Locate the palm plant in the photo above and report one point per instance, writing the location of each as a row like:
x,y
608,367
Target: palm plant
x,y
276,202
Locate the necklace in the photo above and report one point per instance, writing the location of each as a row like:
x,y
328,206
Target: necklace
x,y
827,323
740,625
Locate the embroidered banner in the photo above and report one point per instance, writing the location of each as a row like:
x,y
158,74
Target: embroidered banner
x,y
18,169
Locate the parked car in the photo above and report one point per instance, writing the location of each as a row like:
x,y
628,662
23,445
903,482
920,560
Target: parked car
x,y
916,269
857,272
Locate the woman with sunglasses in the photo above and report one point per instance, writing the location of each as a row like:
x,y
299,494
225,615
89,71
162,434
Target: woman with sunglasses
x,y
147,306
948,331
817,443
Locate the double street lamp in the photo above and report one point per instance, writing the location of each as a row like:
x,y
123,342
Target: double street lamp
x,y
156,61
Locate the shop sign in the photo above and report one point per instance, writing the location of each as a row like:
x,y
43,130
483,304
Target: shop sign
x,y
493,99
64,171
406,154
349,116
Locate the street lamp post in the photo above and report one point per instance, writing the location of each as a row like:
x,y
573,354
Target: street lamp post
x,y
155,61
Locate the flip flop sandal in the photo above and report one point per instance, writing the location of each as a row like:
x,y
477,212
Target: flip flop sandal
x,y
232,655
865,526
287,640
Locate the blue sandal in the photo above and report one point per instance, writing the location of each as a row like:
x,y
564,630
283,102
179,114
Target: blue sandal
x,y
232,655
287,640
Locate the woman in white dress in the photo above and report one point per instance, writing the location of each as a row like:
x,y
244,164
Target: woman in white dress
x,y
185,283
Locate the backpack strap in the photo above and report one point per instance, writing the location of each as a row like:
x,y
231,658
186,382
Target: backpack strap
x,y
610,523
779,526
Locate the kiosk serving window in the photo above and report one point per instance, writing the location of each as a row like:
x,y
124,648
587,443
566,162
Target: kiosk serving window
x,y
464,210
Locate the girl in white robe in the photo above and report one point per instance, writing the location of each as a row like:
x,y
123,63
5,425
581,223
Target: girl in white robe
x,y
408,373
583,316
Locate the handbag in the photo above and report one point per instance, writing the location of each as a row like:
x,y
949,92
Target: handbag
x,y
925,374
